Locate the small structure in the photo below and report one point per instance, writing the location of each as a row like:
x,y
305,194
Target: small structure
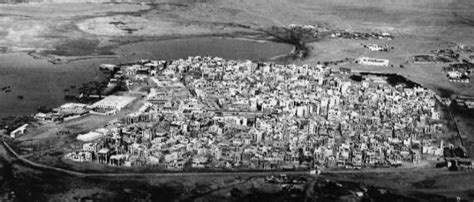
x,y
110,67
374,47
457,76
79,156
19,131
373,61
91,136
119,159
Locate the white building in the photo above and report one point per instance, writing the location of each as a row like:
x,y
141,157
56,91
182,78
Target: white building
x,y
91,136
373,61
374,47
454,74
113,102
20,130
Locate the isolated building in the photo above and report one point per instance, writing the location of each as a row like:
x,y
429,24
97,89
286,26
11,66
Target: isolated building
x,y
373,61
112,103
19,131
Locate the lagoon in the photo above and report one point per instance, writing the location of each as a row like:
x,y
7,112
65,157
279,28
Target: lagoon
x,y
228,48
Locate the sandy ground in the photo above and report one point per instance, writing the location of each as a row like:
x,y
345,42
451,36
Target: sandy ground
x,y
102,26
65,11
417,182
419,26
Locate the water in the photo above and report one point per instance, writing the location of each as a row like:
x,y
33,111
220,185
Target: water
x,y
214,46
39,82
44,84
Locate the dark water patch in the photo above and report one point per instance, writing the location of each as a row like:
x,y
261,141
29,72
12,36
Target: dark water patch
x,y
40,83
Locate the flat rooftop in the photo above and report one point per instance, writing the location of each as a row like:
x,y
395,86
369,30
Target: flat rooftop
x,y
114,101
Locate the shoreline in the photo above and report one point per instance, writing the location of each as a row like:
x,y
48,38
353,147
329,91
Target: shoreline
x,y
65,59
57,59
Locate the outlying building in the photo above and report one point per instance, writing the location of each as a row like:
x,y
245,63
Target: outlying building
x,y
373,61
91,136
112,102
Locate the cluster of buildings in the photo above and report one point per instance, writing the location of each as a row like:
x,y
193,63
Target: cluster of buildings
x,y
65,112
437,56
465,101
424,59
310,30
211,113
362,35
468,51
459,66
445,55
107,106
459,72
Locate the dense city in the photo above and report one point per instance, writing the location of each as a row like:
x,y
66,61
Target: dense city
x,y
211,113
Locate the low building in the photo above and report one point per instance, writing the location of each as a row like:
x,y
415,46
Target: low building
x,y
91,136
373,61
19,131
112,103
374,47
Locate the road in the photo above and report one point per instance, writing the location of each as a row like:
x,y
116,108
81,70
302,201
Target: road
x,y
13,154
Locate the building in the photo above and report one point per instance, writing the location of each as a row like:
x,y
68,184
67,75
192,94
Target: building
x,y
19,131
90,136
110,67
373,61
374,47
112,103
